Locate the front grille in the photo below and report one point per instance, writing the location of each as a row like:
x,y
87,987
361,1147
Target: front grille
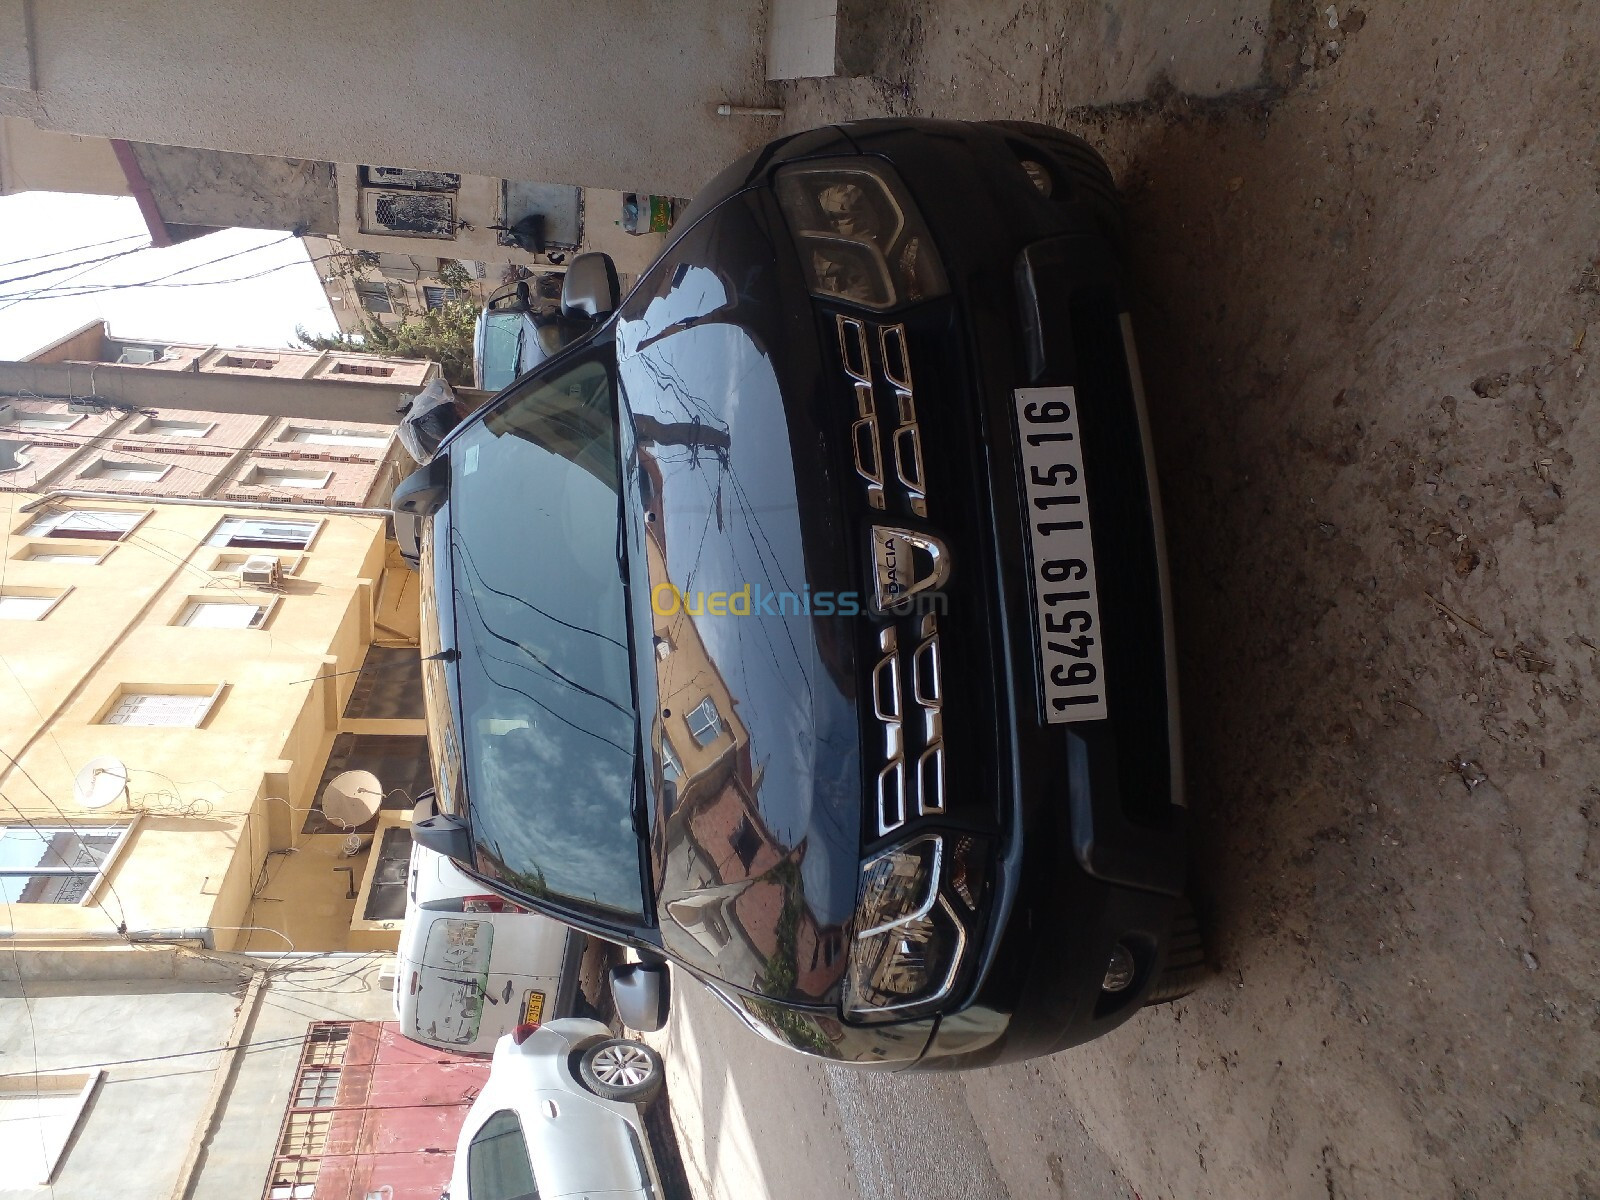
x,y
911,774
910,734
867,441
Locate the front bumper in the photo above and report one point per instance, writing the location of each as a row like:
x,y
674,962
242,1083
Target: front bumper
x,y
1087,818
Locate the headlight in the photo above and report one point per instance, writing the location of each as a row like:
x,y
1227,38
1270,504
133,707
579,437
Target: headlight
x,y
908,941
859,236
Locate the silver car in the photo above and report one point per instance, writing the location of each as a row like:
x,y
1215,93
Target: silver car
x,y
560,1116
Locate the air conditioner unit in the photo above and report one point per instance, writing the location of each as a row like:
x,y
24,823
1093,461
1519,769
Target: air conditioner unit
x,y
138,355
261,570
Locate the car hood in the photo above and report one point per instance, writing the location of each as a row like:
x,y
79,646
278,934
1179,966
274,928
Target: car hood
x,y
750,575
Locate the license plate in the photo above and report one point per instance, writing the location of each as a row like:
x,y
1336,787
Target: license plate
x,y
533,1009
1067,610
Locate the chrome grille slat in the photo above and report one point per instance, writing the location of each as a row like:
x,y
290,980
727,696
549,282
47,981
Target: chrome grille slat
x,y
892,796
852,333
896,358
930,780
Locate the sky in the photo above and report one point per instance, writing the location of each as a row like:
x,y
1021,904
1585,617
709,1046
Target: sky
x,y
34,312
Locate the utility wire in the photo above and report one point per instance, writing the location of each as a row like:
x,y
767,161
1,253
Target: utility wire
x,y
17,262
90,262
57,292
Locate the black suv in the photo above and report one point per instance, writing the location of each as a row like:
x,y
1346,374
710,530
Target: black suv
x,y
805,623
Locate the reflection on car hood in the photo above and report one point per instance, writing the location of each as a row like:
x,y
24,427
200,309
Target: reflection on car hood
x,y
755,712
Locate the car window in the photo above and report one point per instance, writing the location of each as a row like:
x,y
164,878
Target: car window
x,y
544,683
497,1161
502,347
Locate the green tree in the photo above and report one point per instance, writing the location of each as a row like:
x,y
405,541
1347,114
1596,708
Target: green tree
x,y
443,334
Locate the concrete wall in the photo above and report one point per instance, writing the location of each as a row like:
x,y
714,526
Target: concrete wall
x,y
148,1119
43,160
615,94
214,187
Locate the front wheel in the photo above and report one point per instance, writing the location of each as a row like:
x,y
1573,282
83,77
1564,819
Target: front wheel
x,y
619,1069
1185,967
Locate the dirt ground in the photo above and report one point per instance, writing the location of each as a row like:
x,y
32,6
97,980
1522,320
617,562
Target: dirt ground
x,y
1368,276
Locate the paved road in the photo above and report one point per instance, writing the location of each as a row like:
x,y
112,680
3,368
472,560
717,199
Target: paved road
x,y
755,1120
1366,293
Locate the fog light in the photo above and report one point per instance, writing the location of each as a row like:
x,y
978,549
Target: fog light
x,y
1120,970
1040,176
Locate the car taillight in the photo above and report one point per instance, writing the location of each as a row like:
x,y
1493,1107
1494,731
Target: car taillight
x,y
524,1031
483,904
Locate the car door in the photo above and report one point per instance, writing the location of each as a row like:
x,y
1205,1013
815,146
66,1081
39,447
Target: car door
x,y
579,1146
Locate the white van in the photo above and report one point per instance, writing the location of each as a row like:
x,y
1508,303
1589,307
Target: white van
x,y
472,966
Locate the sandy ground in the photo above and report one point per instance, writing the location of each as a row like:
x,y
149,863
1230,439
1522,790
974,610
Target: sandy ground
x,y
1367,255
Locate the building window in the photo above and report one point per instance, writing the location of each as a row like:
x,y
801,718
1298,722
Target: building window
x,y
746,842
408,214
38,1116
325,1044
286,477
705,722
334,437
161,708
303,1137
407,179
671,764
48,554
438,297
351,368
316,1087
95,524
375,297
304,1134
137,472
24,421
27,606
240,362
222,614
293,1179
164,428
389,687
248,533
54,864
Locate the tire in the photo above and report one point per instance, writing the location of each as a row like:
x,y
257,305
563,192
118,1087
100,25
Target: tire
x,y
1092,184
1185,967
620,1069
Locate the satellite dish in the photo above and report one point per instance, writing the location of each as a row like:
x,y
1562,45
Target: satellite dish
x,y
103,781
352,798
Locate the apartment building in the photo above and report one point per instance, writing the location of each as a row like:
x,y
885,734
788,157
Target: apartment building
x,y
202,623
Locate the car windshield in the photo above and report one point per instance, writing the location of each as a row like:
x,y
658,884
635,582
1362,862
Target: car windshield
x,y
544,682
502,349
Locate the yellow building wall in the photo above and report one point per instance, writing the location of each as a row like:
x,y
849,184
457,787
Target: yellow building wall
x,y
217,809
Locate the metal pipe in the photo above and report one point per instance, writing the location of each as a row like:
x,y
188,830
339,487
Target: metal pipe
x,y
338,510
199,933
743,110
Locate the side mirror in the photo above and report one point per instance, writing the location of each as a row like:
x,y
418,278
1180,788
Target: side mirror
x,y
524,294
641,992
418,496
591,288
440,832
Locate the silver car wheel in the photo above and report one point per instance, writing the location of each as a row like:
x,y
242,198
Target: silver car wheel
x,y
623,1064
617,1069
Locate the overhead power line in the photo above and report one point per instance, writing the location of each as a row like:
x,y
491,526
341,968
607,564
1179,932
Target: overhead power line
x,y
17,262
